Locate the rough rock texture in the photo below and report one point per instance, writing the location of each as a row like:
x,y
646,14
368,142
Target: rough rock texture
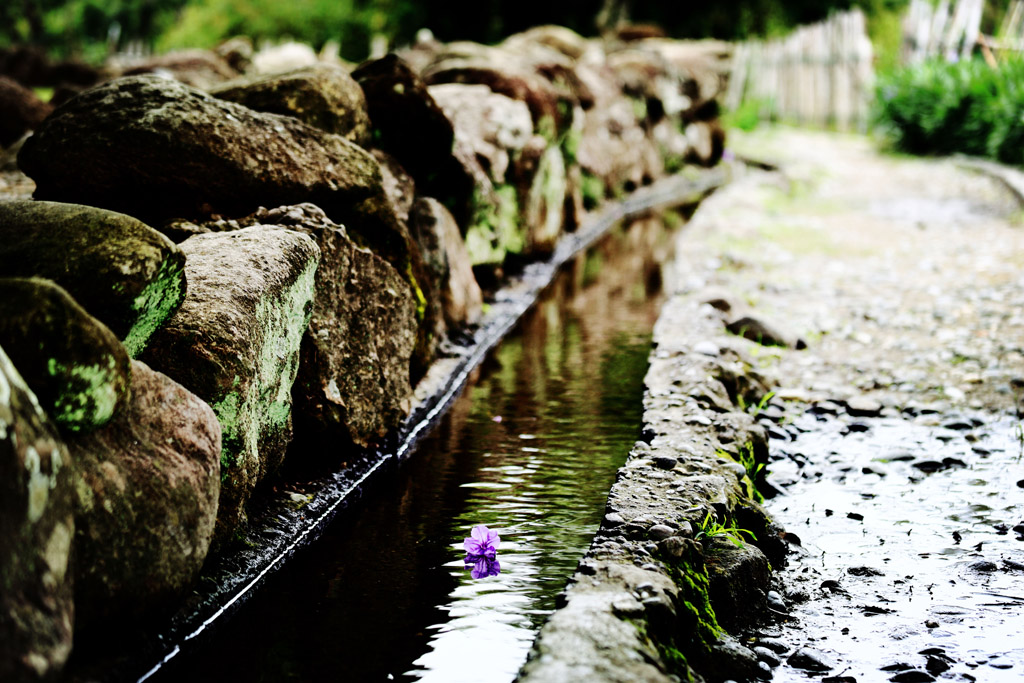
x,y
36,528
409,125
491,126
74,364
353,379
508,73
146,488
235,343
543,197
21,110
323,95
448,260
197,68
399,186
121,271
157,149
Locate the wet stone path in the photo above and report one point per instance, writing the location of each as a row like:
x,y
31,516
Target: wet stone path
x,y
897,451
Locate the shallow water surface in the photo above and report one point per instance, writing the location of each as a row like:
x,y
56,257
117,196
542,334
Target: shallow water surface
x,y
529,449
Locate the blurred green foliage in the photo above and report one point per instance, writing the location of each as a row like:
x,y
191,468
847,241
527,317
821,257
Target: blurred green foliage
x,y
88,28
966,107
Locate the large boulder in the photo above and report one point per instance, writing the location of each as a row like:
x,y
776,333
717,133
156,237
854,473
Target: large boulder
x,y
235,343
353,382
157,149
36,528
126,274
74,364
21,110
146,489
493,127
513,74
542,183
323,95
448,259
409,125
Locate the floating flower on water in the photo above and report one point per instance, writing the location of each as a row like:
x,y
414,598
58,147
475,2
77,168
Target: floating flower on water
x,y
482,541
481,566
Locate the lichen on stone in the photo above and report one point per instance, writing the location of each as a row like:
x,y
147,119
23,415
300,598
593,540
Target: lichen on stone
x,y
160,298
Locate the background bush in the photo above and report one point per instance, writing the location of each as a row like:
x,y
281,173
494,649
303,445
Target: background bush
x,y
964,107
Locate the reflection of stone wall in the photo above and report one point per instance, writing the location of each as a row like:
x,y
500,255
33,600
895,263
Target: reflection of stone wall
x,y
286,252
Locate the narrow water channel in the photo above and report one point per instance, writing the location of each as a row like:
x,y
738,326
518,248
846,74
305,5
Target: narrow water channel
x,y
529,449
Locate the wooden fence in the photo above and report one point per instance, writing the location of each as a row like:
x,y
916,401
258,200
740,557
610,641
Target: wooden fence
x,y
821,75
949,30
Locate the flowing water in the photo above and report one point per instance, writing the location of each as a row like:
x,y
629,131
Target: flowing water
x,y
529,449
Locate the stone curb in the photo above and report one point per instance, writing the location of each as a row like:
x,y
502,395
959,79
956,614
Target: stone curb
x,y
650,597
1012,178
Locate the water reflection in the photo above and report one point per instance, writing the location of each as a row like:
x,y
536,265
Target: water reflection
x,y
528,451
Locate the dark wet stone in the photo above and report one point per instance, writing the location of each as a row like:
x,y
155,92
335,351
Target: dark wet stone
x,y
758,331
898,666
730,659
937,664
959,424
864,571
775,645
861,406
857,427
983,566
810,659
953,462
776,602
613,519
825,408
766,656
839,679
666,462
929,466
1000,663
660,532
855,516
912,676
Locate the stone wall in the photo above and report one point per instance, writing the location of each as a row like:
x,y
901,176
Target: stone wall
x,y
217,266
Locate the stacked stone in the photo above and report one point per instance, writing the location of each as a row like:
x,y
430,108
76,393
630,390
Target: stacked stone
x,y
207,278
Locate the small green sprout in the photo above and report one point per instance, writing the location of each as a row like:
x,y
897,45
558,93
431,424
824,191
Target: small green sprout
x,y
711,528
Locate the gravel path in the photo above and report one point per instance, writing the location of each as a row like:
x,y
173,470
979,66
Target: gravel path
x,y
896,440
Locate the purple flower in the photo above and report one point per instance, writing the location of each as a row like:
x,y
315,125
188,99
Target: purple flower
x,y
482,541
481,566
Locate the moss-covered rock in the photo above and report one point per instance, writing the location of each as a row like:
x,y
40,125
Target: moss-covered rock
x,y
123,272
156,149
496,229
235,343
544,203
324,96
74,364
353,382
36,528
146,487
449,262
